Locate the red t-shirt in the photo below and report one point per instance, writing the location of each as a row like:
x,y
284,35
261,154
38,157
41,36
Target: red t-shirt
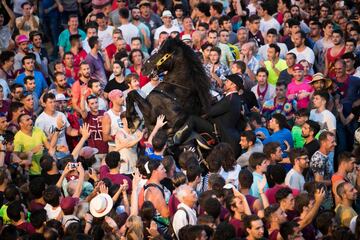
x,y
78,58
143,79
271,192
115,178
173,204
95,125
111,50
239,227
27,227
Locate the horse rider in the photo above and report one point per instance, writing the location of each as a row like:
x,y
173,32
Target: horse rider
x,y
226,115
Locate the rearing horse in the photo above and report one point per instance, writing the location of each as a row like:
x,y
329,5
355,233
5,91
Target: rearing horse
x,y
184,91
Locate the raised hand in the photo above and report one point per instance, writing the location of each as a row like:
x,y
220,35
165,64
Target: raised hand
x,y
153,229
320,195
160,121
85,131
104,188
111,223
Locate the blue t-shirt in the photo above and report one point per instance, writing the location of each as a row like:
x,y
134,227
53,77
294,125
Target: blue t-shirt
x,y
281,136
40,82
263,130
149,151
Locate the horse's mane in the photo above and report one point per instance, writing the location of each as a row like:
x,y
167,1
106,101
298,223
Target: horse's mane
x,y
197,78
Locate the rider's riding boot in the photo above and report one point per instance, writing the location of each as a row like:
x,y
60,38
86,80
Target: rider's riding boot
x,y
181,134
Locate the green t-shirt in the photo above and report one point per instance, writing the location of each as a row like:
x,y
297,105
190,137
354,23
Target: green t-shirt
x,y
3,214
273,77
296,132
25,143
64,39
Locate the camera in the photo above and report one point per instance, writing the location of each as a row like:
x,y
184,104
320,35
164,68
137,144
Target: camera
x,y
73,165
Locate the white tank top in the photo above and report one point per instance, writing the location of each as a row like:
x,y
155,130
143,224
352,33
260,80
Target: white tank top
x,y
116,123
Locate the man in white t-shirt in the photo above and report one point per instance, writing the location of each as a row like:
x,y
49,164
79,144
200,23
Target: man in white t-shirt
x,y
301,51
91,31
166,27
48,121
128,29
267,21
104,31
300,160
320,114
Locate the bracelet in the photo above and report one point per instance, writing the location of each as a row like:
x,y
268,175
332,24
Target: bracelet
x,y
57,130
3,151
89,222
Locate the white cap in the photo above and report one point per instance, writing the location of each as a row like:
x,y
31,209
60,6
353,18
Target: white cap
x,y
186,37
61,97
166,13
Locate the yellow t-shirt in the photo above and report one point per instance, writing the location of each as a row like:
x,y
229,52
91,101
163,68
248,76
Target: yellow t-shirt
x,y
25,143
273,77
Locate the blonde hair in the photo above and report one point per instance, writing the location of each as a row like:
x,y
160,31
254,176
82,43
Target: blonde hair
x,y
135,226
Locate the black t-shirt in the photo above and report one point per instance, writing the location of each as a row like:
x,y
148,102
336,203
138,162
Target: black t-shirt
x,y
112,84
51,179
168,184
312,147
249,98
356,112
285,77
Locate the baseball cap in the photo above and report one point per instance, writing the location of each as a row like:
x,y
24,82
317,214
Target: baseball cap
x,y
21,38
87,152
68,203
115,93
186,37
166,13
298,67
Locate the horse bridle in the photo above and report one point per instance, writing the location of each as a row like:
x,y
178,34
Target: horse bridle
x,y
160,62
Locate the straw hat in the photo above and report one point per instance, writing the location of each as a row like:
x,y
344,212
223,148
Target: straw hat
x,y
320,77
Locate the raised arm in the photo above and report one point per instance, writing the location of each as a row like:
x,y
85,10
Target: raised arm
x,y
159,124
85,134
80,182
11,15
319,198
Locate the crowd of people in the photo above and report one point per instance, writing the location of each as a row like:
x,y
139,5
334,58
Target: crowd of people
x,y
71,167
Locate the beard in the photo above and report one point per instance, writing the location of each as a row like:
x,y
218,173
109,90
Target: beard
x,y
86,75
62,86
137,18
304,136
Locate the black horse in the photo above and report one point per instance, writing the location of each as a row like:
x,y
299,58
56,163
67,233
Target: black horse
x,y
184,91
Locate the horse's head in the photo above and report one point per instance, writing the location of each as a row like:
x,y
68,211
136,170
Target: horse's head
x,y
163,60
